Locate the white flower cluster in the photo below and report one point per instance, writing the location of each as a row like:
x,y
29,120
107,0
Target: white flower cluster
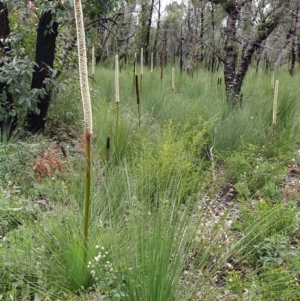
x,y
100,262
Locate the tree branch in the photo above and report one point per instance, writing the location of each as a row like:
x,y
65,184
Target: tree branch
x,y
217,55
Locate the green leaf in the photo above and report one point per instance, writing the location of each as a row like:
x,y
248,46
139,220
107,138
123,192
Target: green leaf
x,y
21,99
28,102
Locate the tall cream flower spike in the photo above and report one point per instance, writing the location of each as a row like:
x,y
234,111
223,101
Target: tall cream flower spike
x,y
83,72
87,111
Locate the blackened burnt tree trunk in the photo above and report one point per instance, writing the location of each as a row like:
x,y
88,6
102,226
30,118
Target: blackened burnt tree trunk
x,y
45,52
4,29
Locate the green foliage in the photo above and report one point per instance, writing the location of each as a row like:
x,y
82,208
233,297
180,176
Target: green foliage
x,y
22,37
21,270
278,283
274,250
171,157
97,8
16,74
253,172
268,244
14,211
16,160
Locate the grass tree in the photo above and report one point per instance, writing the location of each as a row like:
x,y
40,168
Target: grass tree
x,y
86,101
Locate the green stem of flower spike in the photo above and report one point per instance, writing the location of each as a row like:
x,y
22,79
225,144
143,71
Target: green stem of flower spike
x,y
138,98
87,195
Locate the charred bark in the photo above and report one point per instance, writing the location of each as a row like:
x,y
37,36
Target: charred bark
x,y
45,52
4,29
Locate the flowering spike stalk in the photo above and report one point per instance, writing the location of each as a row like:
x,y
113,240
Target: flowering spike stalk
x,y
135,69
93,61
142,61
87,111
142,69
134,74
151,70
173,79
275,103
117,78
107,153
83,71
117,87
138,98
161,72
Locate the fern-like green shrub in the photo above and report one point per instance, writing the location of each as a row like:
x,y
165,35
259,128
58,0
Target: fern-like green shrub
x,y
174,158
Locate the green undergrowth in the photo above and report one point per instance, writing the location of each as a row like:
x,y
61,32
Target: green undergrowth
x,y
164,225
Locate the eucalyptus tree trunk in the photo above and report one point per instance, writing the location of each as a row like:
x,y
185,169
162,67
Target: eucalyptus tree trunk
x,y
234,73
45,52
230,49
292,36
